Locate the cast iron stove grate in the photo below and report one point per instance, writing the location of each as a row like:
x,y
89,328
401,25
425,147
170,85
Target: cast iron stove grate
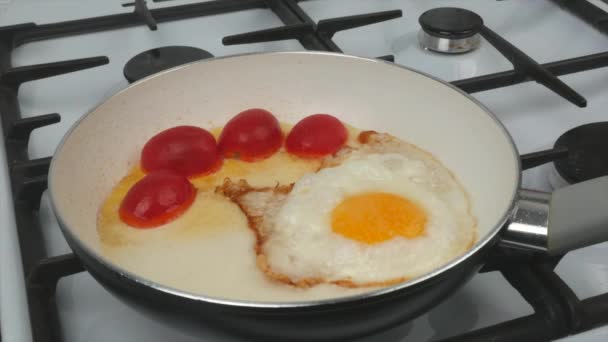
x,y
557,310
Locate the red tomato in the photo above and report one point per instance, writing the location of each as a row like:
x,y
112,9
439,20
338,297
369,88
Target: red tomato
x,y
186,150
251,135
316,136
156,199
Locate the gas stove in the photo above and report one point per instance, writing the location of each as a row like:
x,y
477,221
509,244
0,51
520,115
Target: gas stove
x,y
80,52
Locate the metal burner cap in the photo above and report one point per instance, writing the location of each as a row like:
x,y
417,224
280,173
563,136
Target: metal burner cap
x,y
152,61
587,153
450,30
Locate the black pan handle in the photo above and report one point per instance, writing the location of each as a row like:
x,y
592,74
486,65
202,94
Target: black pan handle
x,y
535,159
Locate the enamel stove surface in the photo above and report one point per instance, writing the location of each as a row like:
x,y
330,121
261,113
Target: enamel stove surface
x,y
534,116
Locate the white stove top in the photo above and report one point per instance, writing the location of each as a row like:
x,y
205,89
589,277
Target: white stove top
x,y
534,116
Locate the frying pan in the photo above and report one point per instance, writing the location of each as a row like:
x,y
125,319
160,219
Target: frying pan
x,y
365,93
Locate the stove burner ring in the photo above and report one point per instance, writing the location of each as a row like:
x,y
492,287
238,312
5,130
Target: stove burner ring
x,y
587,158
155,60
450,30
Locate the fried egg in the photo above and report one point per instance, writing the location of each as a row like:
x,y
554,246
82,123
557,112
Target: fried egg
x,y
184,253
376,214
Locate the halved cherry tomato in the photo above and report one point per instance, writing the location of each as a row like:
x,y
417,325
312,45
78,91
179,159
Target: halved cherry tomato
x,y
251,135
186,150
316,136
158,198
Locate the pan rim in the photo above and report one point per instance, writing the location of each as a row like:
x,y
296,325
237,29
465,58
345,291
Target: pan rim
x,y
375,294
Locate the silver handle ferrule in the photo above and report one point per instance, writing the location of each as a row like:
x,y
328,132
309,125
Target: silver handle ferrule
x,y
528,227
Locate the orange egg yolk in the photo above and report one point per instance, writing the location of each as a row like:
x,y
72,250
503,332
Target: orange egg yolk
x,y
375,217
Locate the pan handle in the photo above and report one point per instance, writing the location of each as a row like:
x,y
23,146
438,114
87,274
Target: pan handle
x,y
569,218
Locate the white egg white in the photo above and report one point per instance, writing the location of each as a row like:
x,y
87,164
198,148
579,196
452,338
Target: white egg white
x,y
300,243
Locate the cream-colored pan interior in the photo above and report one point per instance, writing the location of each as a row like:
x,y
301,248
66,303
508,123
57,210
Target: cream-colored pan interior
x,y
364,93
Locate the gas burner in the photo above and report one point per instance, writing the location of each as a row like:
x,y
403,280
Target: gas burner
x,y
159,59
587,159
450,30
